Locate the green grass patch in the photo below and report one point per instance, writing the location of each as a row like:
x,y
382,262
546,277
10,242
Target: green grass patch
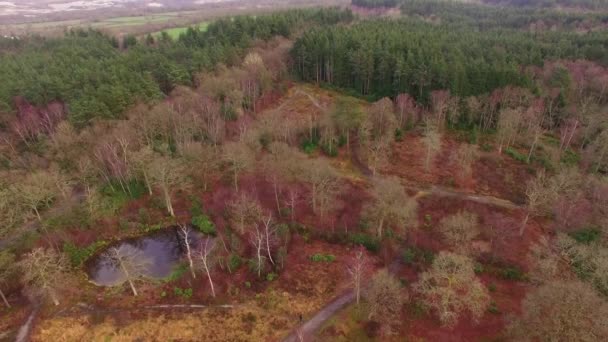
x,y
115,196
79,255
175,32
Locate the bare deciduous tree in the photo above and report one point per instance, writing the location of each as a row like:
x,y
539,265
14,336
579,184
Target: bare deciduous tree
x,y
391,206
201,161
432,142
357,267
270,236
238,157
131,262
508,127
44,271
376,153
325,184
451,288
244,212
186,234
460,229
257,240
141,162
36,191
348,117
205,254
465,157
384,297
166,173
562,311
8,271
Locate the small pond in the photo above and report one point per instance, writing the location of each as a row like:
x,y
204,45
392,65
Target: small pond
x,y
162,250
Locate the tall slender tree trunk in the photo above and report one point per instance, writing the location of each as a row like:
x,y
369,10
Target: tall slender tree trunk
x,y
276,193
133,287
209,276
532,148
147,180
381,226
4,299
186,236
128,276
523,226
168,202
236,181
259,253
37,214
53,297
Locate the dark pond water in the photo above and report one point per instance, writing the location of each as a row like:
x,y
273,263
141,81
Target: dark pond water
x,y
162,252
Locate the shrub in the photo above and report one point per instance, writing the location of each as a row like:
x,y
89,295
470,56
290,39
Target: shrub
x,y
330,151
271,276
493,308
570,158
323,258
184,293
369,242
511,273
78,255
516,155
309,146
234,261
413,255
399,134
203,224
587,235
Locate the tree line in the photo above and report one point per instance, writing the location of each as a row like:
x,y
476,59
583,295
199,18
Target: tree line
x,y
387,57
488,17
375,3
94,78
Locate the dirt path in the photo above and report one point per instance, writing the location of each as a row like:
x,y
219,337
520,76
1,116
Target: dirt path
x,y
308,329
482,199
435,190
25,330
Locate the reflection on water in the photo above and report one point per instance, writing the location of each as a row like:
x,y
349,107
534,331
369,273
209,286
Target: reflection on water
x,y
163,249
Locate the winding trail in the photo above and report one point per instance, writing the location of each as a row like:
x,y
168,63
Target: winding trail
x,y
24,332
307,330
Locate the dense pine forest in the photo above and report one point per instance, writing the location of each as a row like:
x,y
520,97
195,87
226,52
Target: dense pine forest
x,y
419,170
97,78
387,57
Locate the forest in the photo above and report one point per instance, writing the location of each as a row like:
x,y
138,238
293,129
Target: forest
x,y
375,3
97,78
533,19
577,4
432,171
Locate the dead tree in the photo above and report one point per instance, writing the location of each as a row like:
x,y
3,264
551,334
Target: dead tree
x,y
356,269
257,240
131,262
269,234
206,248
186,234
